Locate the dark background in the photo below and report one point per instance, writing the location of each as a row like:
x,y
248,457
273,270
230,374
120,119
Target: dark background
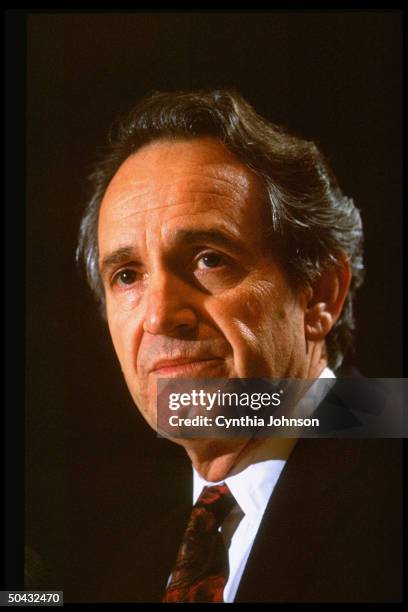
x,y
334,77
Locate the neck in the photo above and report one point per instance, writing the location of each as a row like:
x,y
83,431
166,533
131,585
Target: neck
x,y
215,460
317,360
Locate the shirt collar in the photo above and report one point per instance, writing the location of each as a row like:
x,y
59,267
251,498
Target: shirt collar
x,y
251,488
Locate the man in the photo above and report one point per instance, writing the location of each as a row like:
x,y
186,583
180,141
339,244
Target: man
x,y
219,245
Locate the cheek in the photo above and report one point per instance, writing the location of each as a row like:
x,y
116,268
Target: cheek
x,y
126,337
124,334
259,324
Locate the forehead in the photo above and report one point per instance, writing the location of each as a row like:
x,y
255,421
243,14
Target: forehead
x,y
168,183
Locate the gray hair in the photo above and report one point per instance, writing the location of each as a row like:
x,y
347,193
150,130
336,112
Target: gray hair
x,y
312,222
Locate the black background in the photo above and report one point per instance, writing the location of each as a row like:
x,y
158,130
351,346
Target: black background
x,y
333,77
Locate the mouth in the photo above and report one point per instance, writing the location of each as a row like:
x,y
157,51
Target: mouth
x,y
185,367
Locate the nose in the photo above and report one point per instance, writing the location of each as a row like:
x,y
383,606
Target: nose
x,y
169,310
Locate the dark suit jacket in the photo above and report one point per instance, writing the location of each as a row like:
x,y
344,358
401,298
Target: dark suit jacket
x,y
332,529
332,532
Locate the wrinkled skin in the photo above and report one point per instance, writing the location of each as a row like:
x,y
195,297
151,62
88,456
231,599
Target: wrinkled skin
x,y
221,302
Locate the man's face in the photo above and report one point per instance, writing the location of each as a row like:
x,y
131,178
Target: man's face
x,y
192,288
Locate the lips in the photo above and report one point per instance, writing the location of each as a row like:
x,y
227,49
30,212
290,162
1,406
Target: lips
x,y
184,366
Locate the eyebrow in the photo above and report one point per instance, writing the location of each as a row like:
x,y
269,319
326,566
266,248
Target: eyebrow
x,y
186,236
117,257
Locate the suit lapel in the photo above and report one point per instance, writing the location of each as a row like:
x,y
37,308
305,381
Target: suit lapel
x,y
332,528
294,527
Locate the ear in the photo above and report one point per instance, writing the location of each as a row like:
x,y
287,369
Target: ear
x,y
326,299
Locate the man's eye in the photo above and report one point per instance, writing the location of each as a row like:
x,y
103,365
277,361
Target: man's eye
x,y
126,277
210,260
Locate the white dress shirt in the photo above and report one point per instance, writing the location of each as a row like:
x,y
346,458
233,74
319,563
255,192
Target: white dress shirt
x,y
252,488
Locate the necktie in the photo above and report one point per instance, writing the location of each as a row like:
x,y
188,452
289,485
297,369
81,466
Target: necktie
x,y
201,569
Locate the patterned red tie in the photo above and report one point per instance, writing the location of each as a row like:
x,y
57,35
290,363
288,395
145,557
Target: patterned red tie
x,y
201,569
